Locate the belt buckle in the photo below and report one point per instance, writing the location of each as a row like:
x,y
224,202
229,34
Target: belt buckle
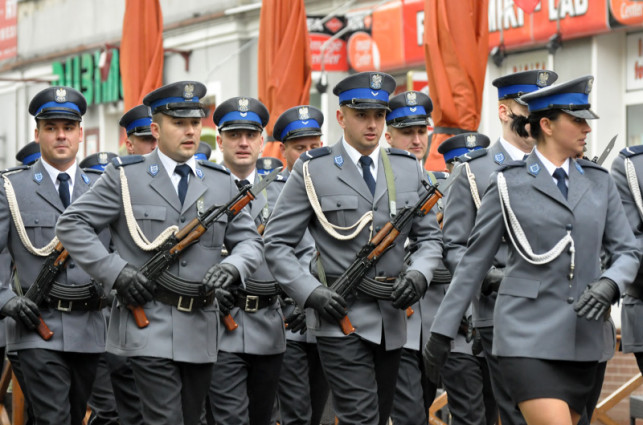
x,y
252,304
60,306
179,305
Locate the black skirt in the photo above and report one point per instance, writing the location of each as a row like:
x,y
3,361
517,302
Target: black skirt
x,y
528,379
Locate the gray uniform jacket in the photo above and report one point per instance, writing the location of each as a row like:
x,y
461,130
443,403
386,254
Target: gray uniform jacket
x,y
534,314
181,336
632,308
261,332
460,215
6,279
344,198
40,206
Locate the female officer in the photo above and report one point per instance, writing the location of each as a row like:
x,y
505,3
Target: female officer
x,y
558,212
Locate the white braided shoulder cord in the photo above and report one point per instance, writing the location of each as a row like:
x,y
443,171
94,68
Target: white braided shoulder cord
x,y
633,183
329,227
472,185
135,231
522,244
20,226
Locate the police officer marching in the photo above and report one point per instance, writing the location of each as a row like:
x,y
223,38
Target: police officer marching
x,y
342,194
558,212
32,199
173,356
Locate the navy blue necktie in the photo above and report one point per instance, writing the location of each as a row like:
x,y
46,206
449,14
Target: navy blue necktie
x,y
366,162
183,170
559,175
63,189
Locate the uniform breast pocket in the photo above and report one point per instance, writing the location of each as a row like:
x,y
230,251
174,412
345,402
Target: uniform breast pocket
x,y
340,208
150,219
519,287
40,227
406,200
213,237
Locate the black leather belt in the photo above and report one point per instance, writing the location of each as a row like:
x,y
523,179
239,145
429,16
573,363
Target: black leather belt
x,y
379,287
258,287
67,298
184,295
253,303
635,290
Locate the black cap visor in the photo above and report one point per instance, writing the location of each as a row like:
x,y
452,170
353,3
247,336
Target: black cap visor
x,y
140,131
182,110
409,122
298,134
366,104
59,114
241,125
587,114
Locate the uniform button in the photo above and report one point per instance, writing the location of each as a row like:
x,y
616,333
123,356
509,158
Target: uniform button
x,y
182,219
36,221
146,215
184,263
570,300
374,208
72,265
377,229
339,204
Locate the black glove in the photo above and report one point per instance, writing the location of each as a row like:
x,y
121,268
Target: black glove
x,y
132,287
296,321
408,289
492,280
22,310
222,275
435,355
225,299
596,299
476,347
328,303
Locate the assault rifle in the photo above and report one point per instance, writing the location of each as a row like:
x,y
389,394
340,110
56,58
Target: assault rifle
x,y
40,288
381,243
174,246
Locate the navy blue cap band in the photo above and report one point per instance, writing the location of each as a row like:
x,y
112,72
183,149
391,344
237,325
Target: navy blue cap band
x,y
516,89
141,122
168,100
99,167
561,99
407,111
296,125
362,93
200,156
30,158
240,116
68,105
448,156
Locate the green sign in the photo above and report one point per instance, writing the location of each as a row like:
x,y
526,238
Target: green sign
x,y
83,73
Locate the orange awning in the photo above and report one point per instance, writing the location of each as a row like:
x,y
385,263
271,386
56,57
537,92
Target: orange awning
x,y
284,61
456,37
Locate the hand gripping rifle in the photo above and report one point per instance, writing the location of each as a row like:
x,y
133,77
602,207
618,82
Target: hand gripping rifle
x,y
174,246
382,242
40,288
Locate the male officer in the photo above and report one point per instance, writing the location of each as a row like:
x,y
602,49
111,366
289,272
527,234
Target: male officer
x,y
245,377
303,390
465,374
462,206
407,130
57,373
327,191
137,122
139,197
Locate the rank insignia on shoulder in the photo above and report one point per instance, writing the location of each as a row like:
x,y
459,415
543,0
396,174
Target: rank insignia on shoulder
x,y
581,164
214,166
401,152
127,160
153,170
281,178
499,158
315,153
16,169
441,175
85,178
339,161
478,153
631,151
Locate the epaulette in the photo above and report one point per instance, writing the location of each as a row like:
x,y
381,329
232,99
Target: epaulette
x,y
315,153
511,164
127,160
281,178
92,170
584,163
471,155
214,166
440,175
631,151
14,169
401,152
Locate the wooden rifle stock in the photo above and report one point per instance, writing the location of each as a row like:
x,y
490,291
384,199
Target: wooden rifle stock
x,y
42,329
139,316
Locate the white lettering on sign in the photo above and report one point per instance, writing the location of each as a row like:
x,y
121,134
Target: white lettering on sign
x,y
634,61
419,23
567,8
631,10
503,12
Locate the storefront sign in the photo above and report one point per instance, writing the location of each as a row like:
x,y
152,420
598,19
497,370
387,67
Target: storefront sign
x,y
84,74
634,60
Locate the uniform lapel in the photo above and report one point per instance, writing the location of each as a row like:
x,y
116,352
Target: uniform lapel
x,y
80,185
578,184
543,181
380,185
259,202
349,175
46,189
162,184
196,189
